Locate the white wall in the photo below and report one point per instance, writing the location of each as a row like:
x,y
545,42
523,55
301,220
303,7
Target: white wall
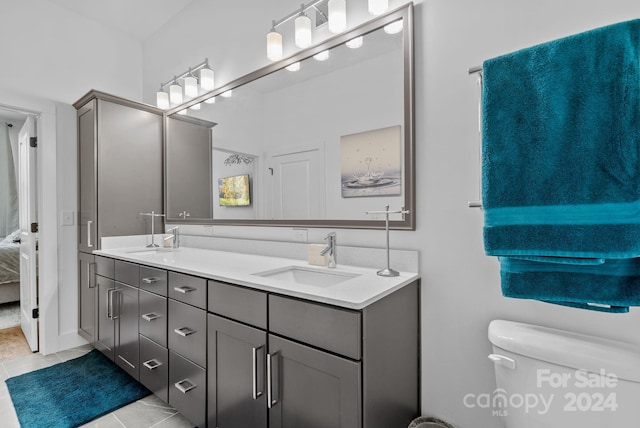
x,y
54,57
59,55
460,286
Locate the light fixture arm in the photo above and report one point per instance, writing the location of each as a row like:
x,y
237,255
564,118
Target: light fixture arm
x,y
298,12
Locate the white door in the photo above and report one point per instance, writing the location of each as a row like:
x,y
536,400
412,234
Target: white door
x,y
28,239
297,179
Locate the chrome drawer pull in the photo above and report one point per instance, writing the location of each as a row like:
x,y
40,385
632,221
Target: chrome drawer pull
x,y
184,331
150,316
152,364
150,280
270,400
184,289
182,388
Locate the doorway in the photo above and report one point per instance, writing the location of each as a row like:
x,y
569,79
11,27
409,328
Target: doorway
x,y
18,232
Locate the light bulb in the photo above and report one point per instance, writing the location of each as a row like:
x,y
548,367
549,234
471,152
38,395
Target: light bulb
x,y
227,94
206,79
190,86
183,112
175,93
303,31
337,15
378,7
162,99
211,100
322,56
394,27
293,67
195,107
274,45
355,43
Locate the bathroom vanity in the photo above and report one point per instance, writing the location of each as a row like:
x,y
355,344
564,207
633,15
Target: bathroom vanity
x,y
230,341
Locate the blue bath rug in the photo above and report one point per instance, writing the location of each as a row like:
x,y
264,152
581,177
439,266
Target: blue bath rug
x,y
72,393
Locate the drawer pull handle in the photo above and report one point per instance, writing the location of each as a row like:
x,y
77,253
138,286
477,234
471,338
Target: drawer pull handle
x,y
184,331
184,289
152,364
150,316
254,373
150,280
184,386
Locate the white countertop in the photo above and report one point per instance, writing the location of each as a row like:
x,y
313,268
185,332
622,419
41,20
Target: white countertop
x,y
237,268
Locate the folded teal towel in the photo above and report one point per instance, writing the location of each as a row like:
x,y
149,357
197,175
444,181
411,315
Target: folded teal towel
x,y
561,147
561,169
610,287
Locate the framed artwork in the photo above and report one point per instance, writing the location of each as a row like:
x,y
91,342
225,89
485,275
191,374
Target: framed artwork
x,y
234,191
370,163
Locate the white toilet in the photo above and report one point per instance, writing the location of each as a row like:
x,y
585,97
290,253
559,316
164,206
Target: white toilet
x,y
549,378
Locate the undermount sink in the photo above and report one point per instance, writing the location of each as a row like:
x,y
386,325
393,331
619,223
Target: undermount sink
x,y
308,276
150,251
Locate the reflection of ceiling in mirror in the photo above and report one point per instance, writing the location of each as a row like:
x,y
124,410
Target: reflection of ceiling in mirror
x,y
376,43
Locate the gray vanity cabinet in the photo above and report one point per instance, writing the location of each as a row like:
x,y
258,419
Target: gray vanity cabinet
x,y
120,167
127,350
311,388
236,374
87,295
106,312
153,309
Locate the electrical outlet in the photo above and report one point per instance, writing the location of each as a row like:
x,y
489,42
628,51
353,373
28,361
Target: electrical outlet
x,y
300,235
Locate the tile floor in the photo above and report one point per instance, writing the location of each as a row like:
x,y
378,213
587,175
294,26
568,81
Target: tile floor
x,y
146,413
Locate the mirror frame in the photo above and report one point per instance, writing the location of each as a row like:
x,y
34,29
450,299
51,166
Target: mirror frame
x,y
408,220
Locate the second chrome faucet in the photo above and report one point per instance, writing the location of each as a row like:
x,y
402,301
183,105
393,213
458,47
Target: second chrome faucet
x,y
330,249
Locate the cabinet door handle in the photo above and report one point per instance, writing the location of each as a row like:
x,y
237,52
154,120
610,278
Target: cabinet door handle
x,y
270,400
89,223
89,276
184,331
254,373
152,364
150,280
150,316
184,386
115,314
184,289
110,303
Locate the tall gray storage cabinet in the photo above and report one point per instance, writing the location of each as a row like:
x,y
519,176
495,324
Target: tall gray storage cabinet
x,y
119,176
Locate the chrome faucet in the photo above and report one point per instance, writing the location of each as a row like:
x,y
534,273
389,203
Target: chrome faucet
x,y
330,249
175,231
153,216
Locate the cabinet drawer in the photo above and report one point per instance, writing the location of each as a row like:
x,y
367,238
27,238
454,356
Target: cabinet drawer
x,y
154,280
188,389
188,289
127,273
334,329
154,368
239,303
188,332
153,317
105,267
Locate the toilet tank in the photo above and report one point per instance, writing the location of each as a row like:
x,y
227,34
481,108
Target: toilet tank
x,y
550,378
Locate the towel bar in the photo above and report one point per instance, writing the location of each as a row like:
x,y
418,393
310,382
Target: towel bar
x,y
477,70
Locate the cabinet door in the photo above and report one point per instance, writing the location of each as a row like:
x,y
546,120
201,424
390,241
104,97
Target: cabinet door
x,y
127,346
129,169
87,317
87,203
236,374
106,340
310,388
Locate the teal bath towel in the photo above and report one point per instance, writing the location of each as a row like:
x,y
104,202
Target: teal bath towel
x,y
561,168
561,147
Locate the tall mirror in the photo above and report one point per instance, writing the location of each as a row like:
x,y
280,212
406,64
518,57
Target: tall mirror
x,y
314,140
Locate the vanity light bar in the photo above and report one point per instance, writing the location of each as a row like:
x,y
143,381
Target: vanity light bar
x,y
191,83
337,19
